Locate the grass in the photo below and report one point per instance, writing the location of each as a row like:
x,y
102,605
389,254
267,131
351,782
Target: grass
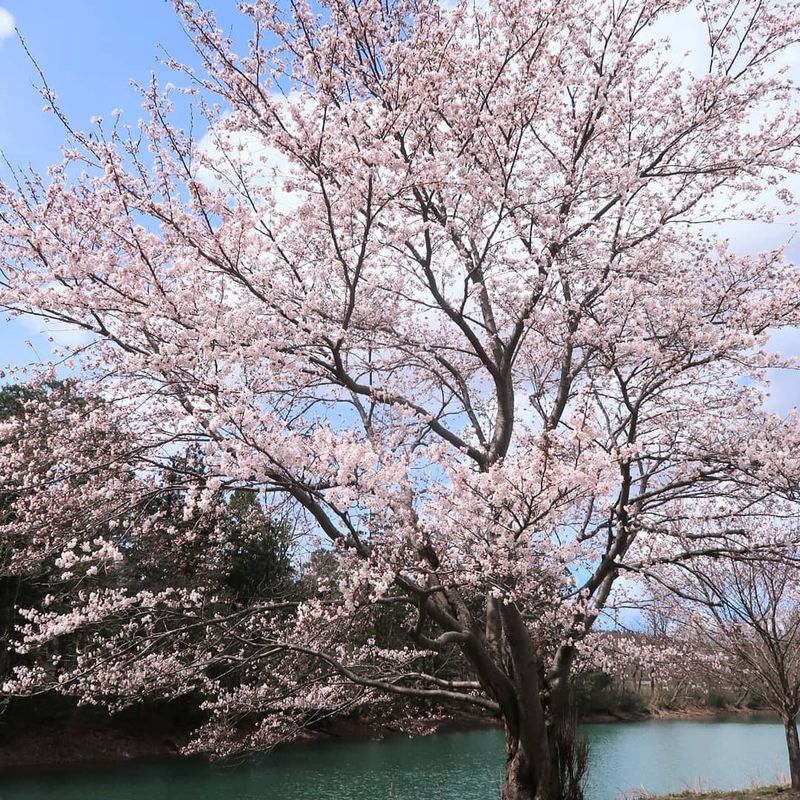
x,y
757,793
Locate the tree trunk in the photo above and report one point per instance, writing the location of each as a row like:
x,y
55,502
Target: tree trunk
x,y
793,744
545,760
551,767
528,763
523,780
676,694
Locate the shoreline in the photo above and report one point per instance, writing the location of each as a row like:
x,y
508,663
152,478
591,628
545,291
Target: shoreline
x,y
697,713
46,748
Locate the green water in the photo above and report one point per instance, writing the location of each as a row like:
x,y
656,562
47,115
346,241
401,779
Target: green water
x,y
657,756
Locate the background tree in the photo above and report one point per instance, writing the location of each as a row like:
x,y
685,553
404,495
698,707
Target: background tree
x,y
749,611
24,586
236,550
435,281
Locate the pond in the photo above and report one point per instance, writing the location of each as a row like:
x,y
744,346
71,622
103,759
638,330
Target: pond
x,y
626,758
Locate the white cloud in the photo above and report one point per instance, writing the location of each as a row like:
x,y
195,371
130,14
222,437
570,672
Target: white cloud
x,y
222,156
60,334
7,24
784,383
689,45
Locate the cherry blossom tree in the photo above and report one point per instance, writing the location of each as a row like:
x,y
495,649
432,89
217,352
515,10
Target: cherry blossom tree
x,y
443,282
657,669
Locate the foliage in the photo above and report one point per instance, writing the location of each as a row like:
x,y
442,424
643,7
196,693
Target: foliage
x,y
591,692
716,699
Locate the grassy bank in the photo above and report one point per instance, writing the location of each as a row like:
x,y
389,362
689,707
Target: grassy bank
x,y
758,793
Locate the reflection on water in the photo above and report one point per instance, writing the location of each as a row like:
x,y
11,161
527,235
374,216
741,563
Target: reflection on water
x,y
654,756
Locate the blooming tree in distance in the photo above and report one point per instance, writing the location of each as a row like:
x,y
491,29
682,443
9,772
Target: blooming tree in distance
x,y
443,281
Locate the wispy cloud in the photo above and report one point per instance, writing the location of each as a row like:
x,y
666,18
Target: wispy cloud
x,y
7,24
58,334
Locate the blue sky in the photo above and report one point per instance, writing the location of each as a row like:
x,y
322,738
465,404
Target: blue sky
x,y
89,50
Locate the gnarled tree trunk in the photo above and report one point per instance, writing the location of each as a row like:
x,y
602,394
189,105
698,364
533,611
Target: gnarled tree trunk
x,y
548,765
526,774
544,760
528,768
